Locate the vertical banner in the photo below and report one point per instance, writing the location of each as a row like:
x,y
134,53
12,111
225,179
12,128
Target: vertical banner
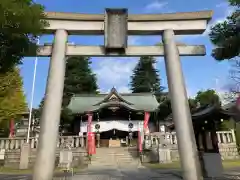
x,y
90,136
89,125
91,143
11,129
145,122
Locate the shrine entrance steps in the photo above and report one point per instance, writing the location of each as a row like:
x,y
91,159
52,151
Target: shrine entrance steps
x,y
115,157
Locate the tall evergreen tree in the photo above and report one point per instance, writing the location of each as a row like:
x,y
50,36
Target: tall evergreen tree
x,y
226,35
12,98
145,77
79,79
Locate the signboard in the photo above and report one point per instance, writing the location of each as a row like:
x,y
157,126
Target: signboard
x,y
145,122
66,157
2,154
213,164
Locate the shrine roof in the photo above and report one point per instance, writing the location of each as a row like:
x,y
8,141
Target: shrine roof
x,y
201,112
82,103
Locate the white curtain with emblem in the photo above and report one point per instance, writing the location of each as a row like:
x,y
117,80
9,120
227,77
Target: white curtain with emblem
x,y
109,125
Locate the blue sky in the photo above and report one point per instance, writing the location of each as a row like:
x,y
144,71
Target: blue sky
x,y
200,72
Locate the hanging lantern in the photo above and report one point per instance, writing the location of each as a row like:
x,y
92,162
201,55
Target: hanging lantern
x,y
130,125
97,127
129,116
97,117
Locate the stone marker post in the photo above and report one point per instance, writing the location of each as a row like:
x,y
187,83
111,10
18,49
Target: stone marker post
x,y
24,156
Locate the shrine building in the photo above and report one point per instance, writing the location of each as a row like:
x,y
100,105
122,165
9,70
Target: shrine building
x,y
115,116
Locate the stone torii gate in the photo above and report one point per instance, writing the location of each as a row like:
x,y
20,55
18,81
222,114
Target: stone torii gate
x,y
116,25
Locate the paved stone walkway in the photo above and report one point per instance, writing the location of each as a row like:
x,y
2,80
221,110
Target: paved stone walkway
x,y
140,174
121,173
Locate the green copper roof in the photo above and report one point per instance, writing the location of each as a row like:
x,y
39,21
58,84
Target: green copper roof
x,y
133,101
227,109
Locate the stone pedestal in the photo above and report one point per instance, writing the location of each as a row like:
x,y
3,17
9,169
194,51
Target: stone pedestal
x,y
164,155
2,156
24,156
66,158
213,167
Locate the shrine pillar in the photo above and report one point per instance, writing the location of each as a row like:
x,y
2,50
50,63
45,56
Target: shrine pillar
x,y
89,129
49,123
180,108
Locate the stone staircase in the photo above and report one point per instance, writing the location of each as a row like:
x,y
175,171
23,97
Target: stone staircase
x,y
112,157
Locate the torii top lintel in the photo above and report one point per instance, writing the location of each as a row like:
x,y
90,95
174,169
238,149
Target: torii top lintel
x,y
138,24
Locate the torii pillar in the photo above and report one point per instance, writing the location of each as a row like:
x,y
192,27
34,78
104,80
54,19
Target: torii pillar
x,y
180,108
49,123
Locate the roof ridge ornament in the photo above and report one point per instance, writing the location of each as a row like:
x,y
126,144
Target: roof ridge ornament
x,y
117,97
113,89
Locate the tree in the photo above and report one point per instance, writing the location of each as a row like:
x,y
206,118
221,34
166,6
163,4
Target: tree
x,y
79,79
21,22
165,106
37,112
226,35
208,97
12,98
145,77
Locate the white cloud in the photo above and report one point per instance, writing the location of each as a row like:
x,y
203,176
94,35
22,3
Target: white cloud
x,y
191,93
133,40
155,5
123,89
222,10
114,72
222,4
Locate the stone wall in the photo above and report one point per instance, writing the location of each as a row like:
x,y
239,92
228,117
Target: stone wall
x,y
12,151
229,151
12,158
226,142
